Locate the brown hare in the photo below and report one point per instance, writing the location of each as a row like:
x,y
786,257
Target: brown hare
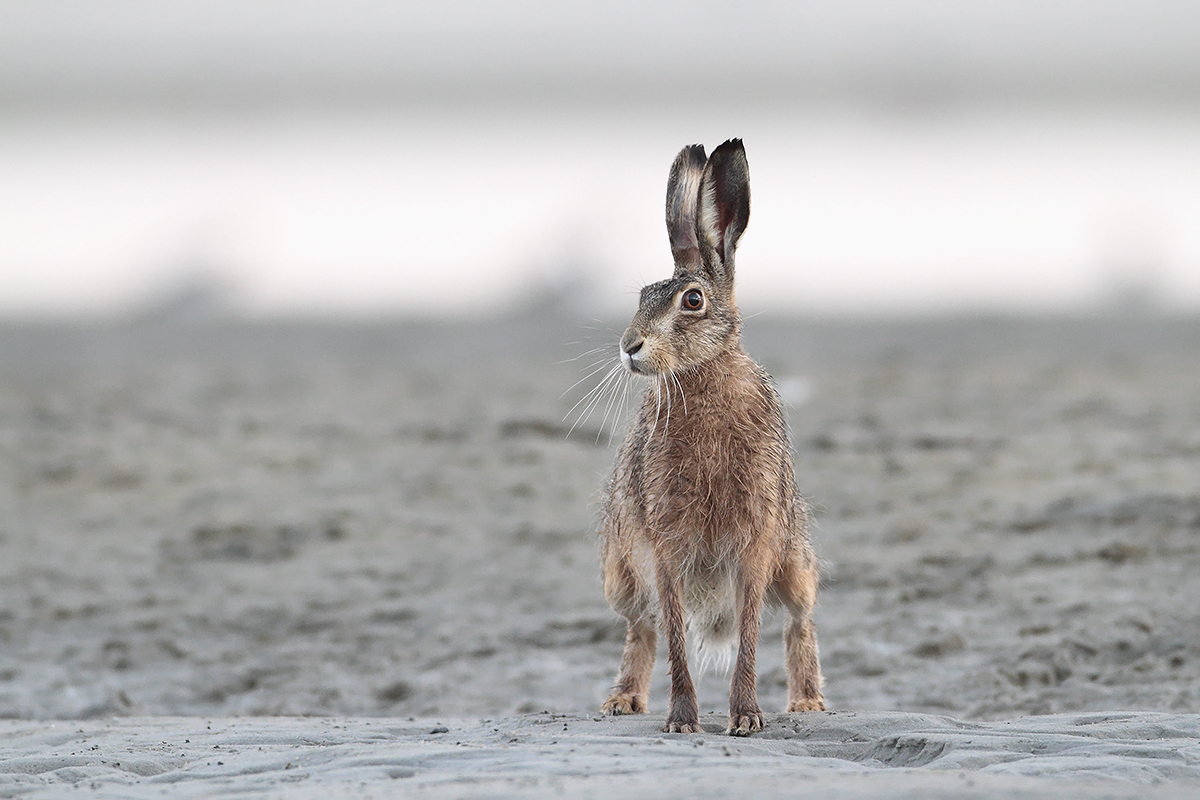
x,y
701,520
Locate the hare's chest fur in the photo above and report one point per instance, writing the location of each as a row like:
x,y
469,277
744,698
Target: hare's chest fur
x,y
717,476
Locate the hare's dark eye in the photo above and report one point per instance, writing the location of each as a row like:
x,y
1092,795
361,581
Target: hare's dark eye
x,y
693,300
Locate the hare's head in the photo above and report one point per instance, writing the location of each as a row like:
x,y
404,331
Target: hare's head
x,y
692,317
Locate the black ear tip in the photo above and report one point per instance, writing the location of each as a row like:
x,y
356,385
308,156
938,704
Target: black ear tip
x,y
730,146
695,154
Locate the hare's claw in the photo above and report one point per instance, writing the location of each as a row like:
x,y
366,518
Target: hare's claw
x,y
682,727
744,723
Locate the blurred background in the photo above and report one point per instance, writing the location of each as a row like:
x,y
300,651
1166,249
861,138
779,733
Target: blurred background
x,y
374,158
973,255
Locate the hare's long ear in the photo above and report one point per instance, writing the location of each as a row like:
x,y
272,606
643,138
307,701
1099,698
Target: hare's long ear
x,y
683,187
723,209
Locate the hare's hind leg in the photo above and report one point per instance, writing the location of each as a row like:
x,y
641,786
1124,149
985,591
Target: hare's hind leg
x,y
628,598
796,587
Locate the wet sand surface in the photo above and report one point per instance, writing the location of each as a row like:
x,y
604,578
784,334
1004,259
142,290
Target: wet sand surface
x,y
279,528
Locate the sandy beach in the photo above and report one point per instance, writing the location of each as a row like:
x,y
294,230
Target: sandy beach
x,y
841,754
286,559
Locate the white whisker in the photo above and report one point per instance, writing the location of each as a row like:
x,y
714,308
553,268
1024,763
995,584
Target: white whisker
x,y
595,368
608,409
593,391
597,395
667,387
591,352
679,386
624,404
657,405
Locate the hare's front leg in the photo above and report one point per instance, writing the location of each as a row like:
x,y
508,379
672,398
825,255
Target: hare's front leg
x,y
796,586
745,716
684,716
629,598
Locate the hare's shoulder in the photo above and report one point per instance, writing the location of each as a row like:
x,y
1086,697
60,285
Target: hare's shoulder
x,y
742,394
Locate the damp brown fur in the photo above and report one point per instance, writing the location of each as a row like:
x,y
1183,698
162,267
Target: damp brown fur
x,y
701,522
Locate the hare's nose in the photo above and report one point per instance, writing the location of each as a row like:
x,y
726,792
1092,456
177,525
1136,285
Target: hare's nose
x,y
633,348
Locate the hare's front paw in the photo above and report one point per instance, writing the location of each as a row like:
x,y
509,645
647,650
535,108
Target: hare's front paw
x,y
683,726
744,722
807,704
624,703
684,716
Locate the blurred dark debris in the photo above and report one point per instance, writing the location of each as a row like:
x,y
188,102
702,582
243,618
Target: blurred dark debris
x,y
544,429
1159,510
250,542
433,434
575,632
395,692
940,646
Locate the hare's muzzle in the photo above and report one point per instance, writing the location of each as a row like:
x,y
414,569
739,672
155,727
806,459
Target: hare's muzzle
x,y
631,347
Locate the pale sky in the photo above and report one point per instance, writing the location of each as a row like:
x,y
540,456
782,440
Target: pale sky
x,y
373,158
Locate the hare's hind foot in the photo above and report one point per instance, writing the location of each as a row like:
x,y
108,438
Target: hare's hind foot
x,y
807,704
619,703
744,723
